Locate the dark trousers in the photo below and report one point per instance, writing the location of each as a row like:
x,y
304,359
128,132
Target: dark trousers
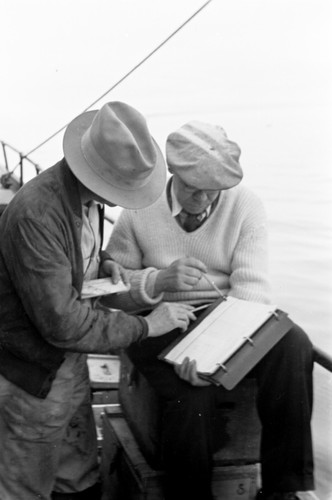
x,y
284,403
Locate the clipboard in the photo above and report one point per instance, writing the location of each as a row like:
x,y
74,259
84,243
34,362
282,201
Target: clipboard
x,y
234,365
244,359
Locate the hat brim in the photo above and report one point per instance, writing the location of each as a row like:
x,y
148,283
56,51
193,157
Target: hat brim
x,y
132,199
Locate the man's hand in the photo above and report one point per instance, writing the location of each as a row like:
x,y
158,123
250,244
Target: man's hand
x,y
167,316
183,274
112,269
188,372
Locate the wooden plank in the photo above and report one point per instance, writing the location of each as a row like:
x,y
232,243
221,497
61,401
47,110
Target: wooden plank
x,y
323,359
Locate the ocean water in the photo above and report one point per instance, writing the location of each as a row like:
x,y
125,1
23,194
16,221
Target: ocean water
x,y
286,158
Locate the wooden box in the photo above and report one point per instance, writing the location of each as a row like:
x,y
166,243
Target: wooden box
x,y
127,476
238,424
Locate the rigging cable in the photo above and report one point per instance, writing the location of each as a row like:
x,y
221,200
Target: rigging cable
x,y
126,75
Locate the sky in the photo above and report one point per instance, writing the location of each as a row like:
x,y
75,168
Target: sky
x,y
59,56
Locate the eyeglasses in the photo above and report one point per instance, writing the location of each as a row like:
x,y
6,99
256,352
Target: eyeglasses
x,y
191,190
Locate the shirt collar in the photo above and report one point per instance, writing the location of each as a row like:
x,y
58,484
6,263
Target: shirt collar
x,y
176,207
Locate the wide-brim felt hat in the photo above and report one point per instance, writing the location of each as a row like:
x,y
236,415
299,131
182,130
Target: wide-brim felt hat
x,y
113,154
203,157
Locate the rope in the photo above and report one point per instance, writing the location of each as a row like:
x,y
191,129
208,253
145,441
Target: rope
x,y
126,75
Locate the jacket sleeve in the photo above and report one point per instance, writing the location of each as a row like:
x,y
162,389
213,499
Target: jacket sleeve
x,y
42,274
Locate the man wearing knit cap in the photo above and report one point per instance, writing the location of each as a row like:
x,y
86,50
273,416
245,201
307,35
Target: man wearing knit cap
x,y
208,224
50,243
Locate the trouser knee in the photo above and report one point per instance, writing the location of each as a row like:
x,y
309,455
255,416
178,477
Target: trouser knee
x,y
297,341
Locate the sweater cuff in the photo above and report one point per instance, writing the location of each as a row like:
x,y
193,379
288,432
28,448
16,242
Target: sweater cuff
x,y
142,287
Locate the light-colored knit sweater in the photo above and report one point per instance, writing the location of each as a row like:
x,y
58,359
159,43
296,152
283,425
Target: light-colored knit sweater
x,y
232,243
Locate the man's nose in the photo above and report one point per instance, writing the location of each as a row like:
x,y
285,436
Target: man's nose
x,y
200,195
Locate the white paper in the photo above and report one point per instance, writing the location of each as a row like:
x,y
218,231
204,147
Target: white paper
x,y
221,333
102,286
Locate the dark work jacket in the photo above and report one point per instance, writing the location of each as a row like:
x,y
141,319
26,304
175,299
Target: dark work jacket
x,y
41,277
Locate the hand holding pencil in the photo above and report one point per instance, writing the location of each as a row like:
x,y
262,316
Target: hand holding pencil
x,y
181,275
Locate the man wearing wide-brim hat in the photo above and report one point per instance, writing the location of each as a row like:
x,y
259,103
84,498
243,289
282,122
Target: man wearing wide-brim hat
x,y
50,243
209,228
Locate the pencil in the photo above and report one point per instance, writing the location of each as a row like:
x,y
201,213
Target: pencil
x,y
204,306
213,285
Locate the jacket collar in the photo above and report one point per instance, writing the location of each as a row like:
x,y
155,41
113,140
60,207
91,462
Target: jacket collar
x,y
70,186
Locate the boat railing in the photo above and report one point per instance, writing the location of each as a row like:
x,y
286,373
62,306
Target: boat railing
x,y
9,179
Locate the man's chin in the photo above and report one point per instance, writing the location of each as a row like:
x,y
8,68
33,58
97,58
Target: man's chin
x,y
194,210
